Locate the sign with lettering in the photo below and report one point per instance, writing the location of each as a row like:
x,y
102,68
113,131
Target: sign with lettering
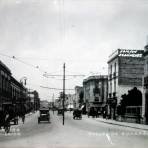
x,y
131,53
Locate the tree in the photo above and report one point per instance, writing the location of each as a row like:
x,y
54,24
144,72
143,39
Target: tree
x,y
133,98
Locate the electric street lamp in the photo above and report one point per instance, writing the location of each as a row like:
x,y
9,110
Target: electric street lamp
x,y
23,78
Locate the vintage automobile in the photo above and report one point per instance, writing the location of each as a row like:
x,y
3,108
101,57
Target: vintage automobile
x,y
14,120
60,112
77,114
44,115
92,111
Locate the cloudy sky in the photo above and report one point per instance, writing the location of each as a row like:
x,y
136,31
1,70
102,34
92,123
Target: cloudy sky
x,y
81,33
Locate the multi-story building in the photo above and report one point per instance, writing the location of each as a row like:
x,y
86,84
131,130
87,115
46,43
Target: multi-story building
x,y
125,71
95,91
34,100
5,85
145,94
18,95
78,90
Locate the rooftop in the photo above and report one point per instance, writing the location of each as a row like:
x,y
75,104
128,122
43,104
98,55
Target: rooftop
x,y
96,77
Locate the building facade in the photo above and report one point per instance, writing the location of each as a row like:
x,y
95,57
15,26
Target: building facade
x,y
5,85
78,90
34,100
95,91
145,84
125,71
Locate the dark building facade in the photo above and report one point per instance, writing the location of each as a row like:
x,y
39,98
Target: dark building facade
x,y
145,96
95,91
125,71
5,85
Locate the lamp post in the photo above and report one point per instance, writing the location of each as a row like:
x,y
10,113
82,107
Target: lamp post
x,y
63,92
53,103
25,79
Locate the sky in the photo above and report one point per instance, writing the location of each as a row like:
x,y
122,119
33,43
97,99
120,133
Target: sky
x,y
42,35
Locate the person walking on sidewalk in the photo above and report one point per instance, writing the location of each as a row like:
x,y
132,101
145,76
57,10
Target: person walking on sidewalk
x,y
23,118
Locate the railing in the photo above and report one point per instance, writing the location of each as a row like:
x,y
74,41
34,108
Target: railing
x,y
133,110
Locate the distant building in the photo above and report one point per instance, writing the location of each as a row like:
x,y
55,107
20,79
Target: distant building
x,y
125,71
78,90
59,101
70,100
34,100
95,91
56,103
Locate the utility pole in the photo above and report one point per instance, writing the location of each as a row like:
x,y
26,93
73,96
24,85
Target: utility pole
x,y
63,91
53,103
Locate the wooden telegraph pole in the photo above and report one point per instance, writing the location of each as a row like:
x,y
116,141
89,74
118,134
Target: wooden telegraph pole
x,y
63,89
63,92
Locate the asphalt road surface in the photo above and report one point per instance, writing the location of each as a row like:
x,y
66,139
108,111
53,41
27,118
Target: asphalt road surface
x,y
85,133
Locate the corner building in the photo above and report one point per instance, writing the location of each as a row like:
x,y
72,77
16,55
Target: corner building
x,y
145,96
125,71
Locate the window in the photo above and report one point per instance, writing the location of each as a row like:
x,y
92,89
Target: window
x,y
115,67
111,69
114,85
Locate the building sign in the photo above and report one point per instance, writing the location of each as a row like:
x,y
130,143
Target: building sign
x,y
131,53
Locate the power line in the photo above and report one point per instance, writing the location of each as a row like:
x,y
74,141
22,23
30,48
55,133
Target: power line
x,y
58,75
26,63
17,59
54,88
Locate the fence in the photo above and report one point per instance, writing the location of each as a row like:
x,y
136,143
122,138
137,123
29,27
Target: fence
x,y
132,114
133,110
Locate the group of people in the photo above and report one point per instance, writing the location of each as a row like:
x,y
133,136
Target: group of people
x,y
6,115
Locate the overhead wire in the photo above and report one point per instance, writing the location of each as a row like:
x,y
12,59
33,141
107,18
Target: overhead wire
x,y
26,63
54,88
50,75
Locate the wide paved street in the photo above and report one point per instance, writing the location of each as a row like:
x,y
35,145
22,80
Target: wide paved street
x,y
85,133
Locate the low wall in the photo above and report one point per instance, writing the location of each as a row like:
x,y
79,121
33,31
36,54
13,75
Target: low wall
x,y
130,119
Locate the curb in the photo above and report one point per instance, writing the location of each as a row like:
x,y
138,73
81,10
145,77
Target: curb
x,y
122,125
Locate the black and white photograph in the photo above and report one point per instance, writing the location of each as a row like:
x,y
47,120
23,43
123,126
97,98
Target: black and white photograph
x,y
73,73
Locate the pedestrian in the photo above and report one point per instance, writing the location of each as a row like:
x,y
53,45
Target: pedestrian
x,y
104,114
2,118
23,118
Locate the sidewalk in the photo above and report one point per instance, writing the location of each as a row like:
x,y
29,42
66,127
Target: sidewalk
x,y
125,124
